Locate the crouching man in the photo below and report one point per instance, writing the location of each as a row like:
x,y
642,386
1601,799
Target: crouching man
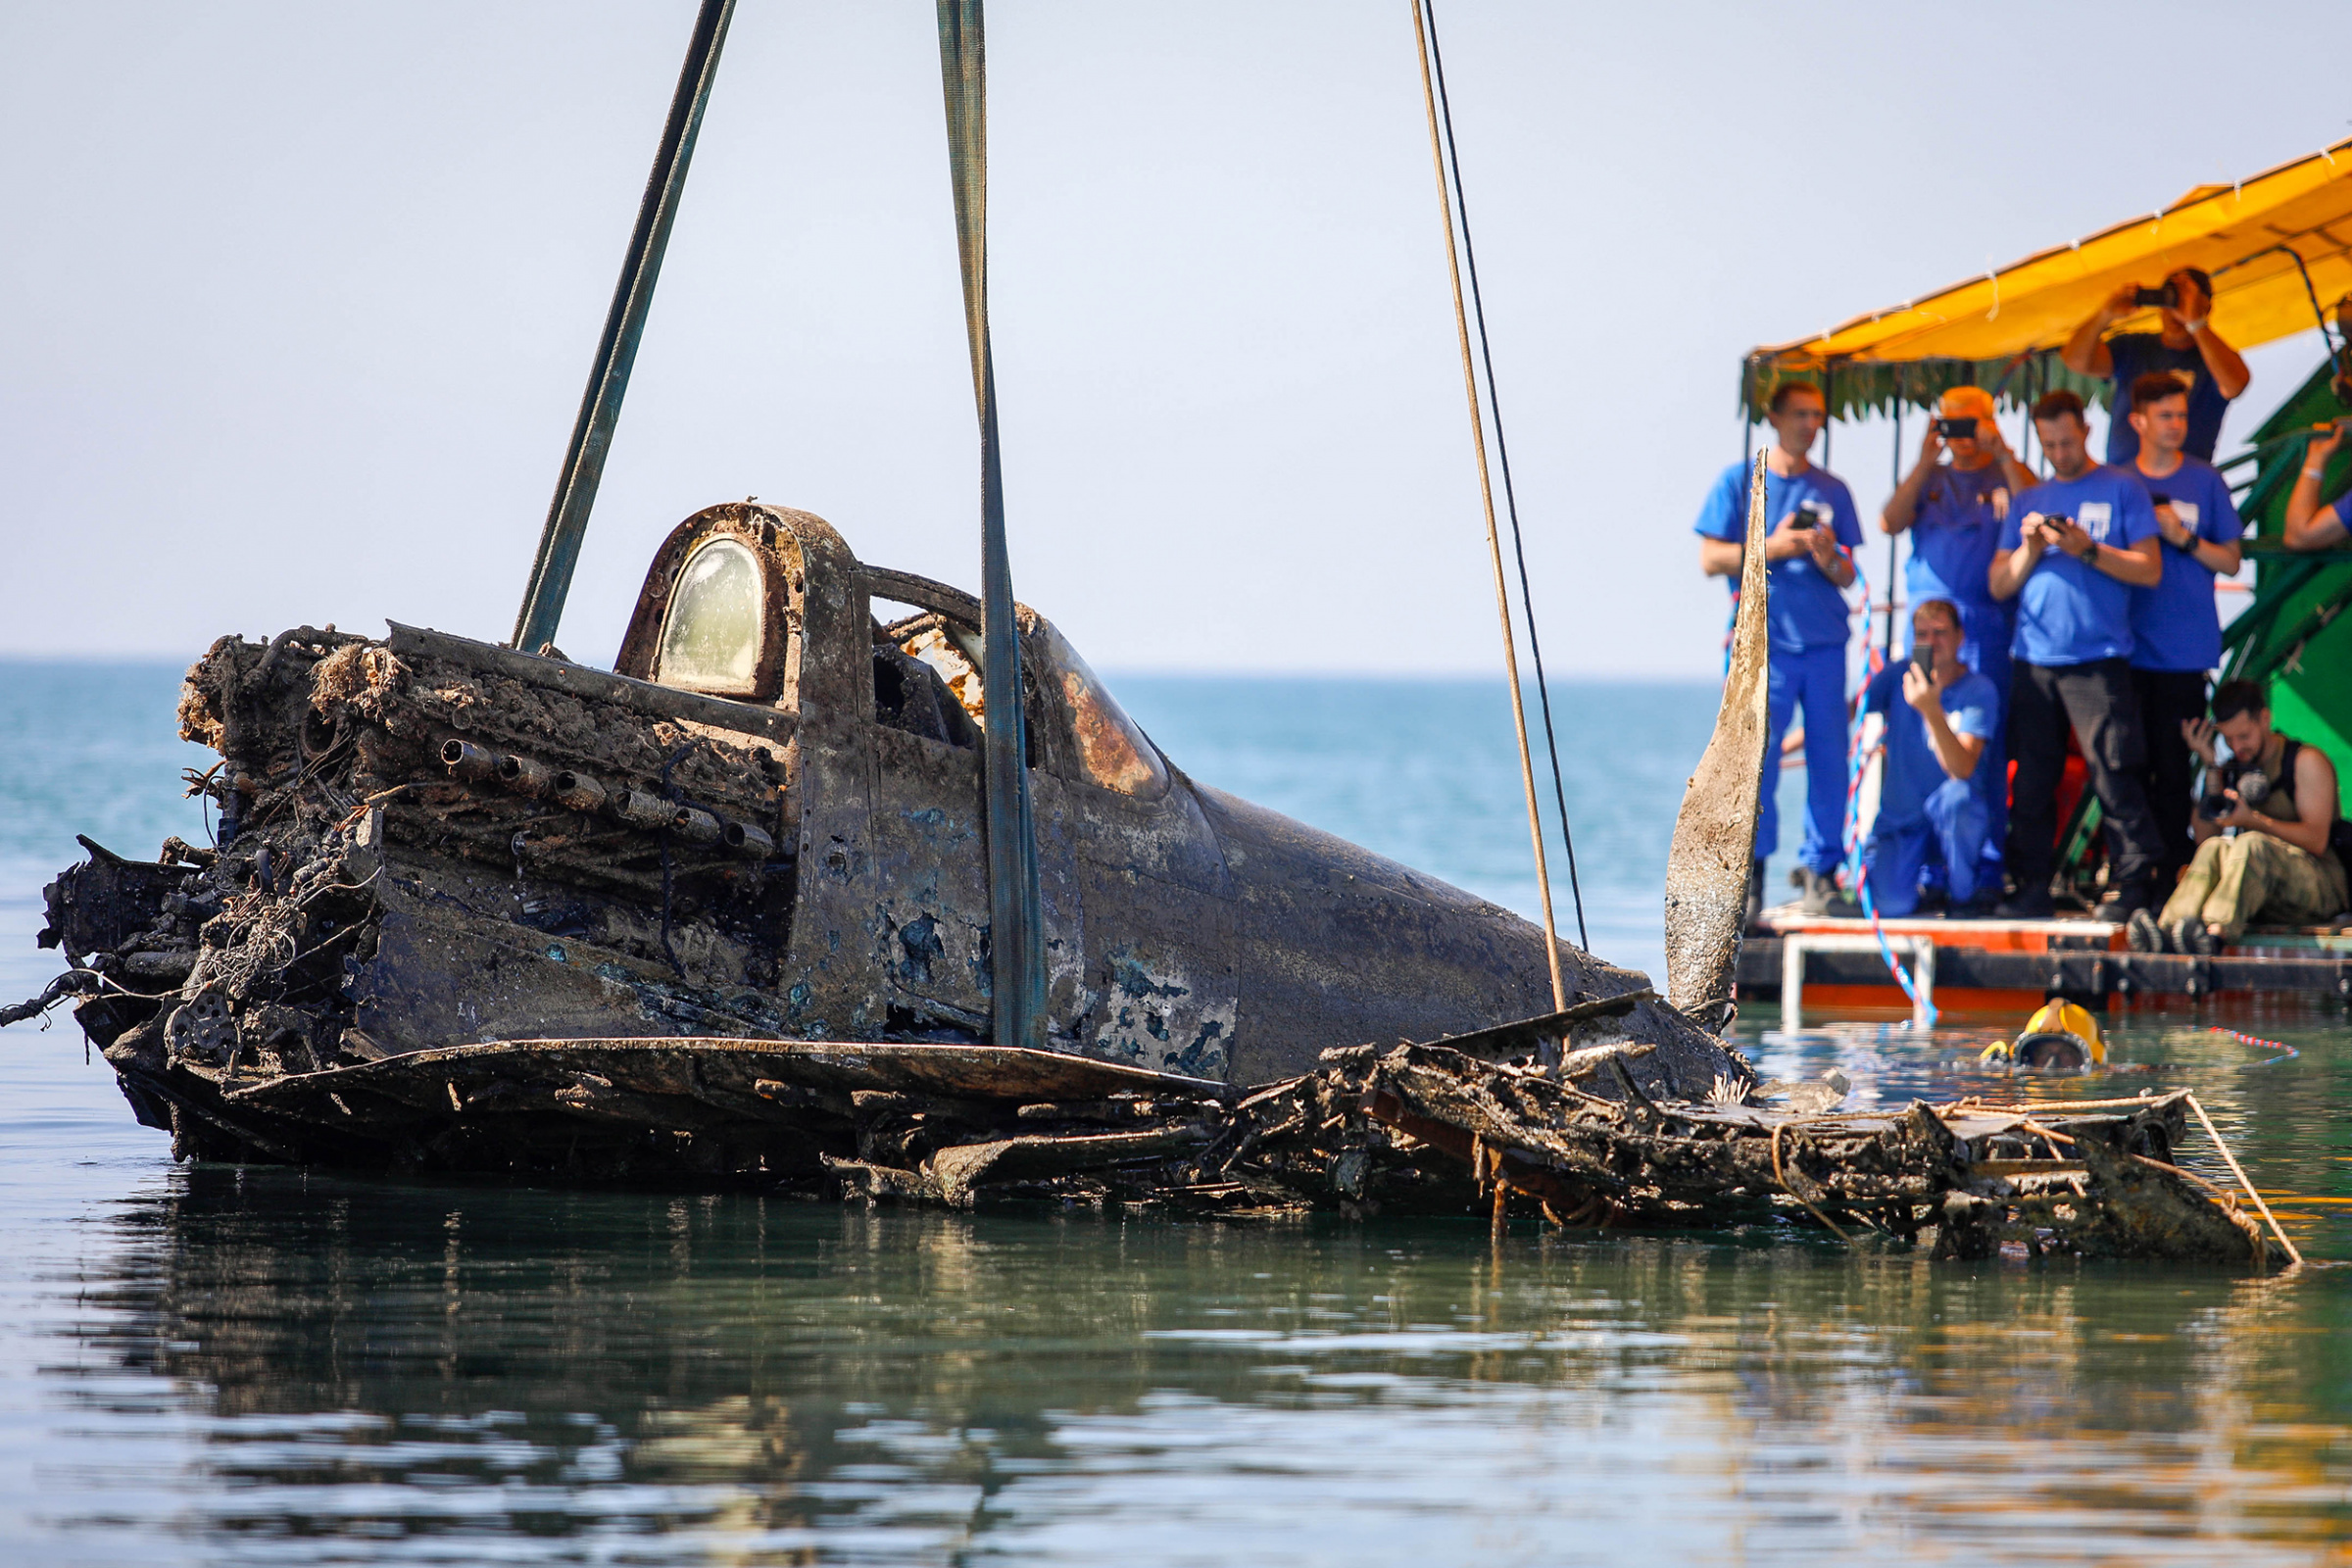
x,y
1933,799
2279,867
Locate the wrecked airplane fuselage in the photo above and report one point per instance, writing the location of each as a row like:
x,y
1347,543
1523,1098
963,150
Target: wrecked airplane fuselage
x,y
767,824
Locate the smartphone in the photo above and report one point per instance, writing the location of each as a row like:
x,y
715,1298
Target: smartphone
x,y
1923,660
2167,297
1802,519
1961,430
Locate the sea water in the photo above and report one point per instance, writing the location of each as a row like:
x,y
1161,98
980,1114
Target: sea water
x,y
221,1364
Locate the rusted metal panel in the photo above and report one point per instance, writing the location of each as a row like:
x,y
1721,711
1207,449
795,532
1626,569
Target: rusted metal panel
x,y
578,680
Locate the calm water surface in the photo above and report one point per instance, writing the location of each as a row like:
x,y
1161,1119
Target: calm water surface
x,y
242,1365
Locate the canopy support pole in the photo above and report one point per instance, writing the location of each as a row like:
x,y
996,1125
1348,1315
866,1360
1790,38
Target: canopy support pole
x,y
1016,937
1828,410
1894,541
1747,415
1486,490
616,351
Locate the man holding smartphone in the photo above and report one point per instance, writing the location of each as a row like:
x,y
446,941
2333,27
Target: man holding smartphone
x,y
1935,780
2176,628
1810,560
1953,512
2073,549
2186,347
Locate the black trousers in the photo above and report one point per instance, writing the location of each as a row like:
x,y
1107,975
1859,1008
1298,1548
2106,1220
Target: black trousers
x,y
2168,698
2098,701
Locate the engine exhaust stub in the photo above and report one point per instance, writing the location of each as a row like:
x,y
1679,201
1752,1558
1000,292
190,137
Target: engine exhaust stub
x,y
641,810
576,792
468,761
753,844
525,775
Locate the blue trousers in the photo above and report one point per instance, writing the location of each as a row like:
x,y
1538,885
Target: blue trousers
x,y
1814,680
1986,632
1950,826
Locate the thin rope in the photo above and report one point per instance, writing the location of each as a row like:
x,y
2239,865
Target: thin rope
x,y
1486,491
2286,1052
2243,1180
1857,762
1511,497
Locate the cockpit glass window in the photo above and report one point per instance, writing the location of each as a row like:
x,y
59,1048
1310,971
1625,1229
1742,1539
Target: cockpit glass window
x,y
711,636
1111,751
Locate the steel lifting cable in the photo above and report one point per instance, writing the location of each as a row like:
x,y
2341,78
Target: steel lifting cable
x,y
1017,963
1457,201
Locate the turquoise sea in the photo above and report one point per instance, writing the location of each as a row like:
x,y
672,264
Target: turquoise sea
x,y
230,1365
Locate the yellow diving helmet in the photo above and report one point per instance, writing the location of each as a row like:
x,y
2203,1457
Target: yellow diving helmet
x,y
2061,1038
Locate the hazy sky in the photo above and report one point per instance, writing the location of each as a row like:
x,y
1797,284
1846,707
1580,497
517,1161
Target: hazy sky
x,y
299,298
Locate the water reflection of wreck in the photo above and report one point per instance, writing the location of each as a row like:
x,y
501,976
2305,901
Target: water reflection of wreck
x,y
454,1367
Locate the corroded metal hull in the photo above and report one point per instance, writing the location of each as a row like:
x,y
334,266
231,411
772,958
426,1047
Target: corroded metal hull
x,y
430,843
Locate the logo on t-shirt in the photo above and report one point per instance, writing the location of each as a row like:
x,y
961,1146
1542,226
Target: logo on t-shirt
x,y
2095,517
2185,512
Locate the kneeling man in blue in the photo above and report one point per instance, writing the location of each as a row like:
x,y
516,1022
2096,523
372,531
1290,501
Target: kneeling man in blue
x,y
1813,532
1933,799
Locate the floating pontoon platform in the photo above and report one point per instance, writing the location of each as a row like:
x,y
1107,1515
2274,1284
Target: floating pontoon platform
x,y
2004,968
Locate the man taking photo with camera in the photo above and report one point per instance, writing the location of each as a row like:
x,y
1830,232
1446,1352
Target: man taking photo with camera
x,y
1935,782
1809,551
1953,512
2279,866
2073,549
2175,629
2186,345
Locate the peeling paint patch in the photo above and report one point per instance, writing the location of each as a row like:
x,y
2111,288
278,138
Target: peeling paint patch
x,y
919,941
1132,978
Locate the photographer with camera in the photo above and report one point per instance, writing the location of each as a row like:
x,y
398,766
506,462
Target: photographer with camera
x,y
2186,346
1809,551
2310,525
2072,550
2276,796
1953,512
1935,781
2175,629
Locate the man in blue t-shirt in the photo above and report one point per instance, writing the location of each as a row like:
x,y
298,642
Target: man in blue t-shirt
x,y
1810,550
1953,512
1935,784
2186,347
2175,630
2073,549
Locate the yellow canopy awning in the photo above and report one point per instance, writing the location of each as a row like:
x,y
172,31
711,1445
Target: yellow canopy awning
x,y
2249,236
